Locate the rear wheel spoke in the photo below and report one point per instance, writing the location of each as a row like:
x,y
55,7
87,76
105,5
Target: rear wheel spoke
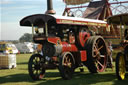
x,y
99,63
100,48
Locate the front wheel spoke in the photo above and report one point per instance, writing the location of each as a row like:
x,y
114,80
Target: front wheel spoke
x,y
67,61
33,68
35,59
69,64
37,72
34,62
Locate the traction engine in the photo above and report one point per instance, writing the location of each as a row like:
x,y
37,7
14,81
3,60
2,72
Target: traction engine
x,y
66,43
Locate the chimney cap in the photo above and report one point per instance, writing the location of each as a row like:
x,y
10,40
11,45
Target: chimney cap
x,y
50,12
50,8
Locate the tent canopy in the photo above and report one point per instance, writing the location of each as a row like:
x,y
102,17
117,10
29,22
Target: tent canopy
x,y
97,10
76,2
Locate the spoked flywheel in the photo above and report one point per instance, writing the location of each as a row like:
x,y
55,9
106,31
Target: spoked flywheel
x,y
66,66
35,67
120,66
96,54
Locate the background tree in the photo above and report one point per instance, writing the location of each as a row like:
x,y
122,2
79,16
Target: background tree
x,y
26,38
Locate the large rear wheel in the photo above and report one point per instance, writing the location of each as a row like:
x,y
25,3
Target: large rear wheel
x,y
120,66
96,54
66,66
126,57
35,67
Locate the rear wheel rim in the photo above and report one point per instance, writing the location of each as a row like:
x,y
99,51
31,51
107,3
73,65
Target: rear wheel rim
x,y
99,55
122,67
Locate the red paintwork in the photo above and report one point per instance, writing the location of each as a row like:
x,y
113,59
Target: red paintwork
x,y
54,40
72,39
83,55
65,46
54,58
69,47
83,36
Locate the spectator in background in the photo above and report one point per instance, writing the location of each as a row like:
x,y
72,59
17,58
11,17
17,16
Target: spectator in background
x,y
110,59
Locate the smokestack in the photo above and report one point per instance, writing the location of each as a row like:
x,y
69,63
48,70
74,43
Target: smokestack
x,y
50,7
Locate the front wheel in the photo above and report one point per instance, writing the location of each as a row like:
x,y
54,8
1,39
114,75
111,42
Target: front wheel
x,y
120,66
35,67
66,66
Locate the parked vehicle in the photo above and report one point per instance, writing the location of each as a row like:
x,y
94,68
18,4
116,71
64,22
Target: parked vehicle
x,y
22,48
30,46
4,48
122,57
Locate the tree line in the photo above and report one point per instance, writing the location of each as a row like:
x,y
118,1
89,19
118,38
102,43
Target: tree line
x,y
26,38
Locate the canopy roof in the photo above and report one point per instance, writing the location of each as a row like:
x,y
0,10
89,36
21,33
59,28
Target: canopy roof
x,y
35,19
118,19
39,19
76,2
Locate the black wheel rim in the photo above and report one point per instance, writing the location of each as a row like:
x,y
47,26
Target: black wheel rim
x,y
120,66
36,70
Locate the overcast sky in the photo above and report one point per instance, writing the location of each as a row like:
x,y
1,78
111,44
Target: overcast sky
x,y
12,11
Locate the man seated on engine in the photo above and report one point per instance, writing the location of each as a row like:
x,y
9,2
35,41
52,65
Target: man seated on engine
x,y
126,44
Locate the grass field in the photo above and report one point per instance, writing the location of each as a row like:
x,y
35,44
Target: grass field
x,y
19,76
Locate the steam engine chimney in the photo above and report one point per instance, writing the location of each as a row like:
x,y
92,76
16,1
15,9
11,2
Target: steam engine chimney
x,y
50,7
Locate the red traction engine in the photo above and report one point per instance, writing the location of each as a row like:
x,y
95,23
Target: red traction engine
x,y
66,43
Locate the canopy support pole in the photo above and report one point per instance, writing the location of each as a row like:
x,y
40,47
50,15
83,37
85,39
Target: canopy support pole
x,y
32,31
46,29
121,28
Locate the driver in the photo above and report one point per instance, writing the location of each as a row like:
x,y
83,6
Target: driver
x,y
126,34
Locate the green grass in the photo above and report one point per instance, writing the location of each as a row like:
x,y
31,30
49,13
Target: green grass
x,y
114,54
19,76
